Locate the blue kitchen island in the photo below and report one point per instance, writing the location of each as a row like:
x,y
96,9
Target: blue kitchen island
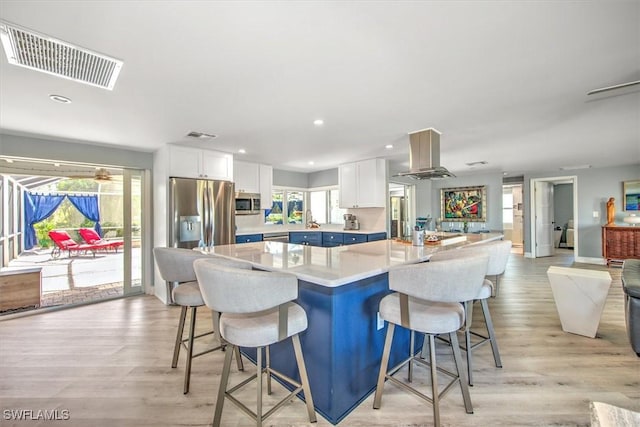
x,y
340,289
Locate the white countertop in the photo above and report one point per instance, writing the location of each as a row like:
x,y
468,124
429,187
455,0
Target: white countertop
x,y
326,229
340,265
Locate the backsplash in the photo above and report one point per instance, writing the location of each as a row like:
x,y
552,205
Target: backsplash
x,y
370,218
250,221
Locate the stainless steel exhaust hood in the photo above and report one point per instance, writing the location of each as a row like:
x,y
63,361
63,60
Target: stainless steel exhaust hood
x,y
424,156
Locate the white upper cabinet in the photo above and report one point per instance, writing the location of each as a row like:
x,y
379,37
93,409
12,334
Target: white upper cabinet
x,y
363,184
254,178
266,186
246,176
186,162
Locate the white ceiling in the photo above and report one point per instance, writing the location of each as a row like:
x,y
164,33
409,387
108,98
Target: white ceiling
x,y
505,82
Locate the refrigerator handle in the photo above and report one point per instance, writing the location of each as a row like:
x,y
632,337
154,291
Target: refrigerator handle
x,y
207,236
202,211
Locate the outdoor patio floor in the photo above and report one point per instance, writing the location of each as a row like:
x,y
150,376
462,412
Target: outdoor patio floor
x,y
77,279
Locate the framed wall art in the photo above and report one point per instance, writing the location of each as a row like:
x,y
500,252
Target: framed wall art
x,y
468,204
631,200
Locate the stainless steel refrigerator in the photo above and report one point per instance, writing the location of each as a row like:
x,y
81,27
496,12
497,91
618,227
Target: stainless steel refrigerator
x,y
201,213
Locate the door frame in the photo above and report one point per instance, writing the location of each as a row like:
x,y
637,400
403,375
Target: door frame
x,y
568,179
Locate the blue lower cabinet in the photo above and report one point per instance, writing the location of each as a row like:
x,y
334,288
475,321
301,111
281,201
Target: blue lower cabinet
x,y
353,238
306,238
376,236
247,238
330,240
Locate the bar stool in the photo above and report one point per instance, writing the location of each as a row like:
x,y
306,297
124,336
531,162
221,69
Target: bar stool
x,y
498,252
427,300
176,266
257,310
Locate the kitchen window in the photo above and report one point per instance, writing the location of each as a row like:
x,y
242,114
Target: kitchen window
x,y
324,205
290,206
287,207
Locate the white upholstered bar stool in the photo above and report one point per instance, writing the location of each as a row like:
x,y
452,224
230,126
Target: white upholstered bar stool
x,y
498,252
427,300
257,310
176,266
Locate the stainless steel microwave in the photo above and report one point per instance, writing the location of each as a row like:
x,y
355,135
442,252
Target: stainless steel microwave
x,y
247,203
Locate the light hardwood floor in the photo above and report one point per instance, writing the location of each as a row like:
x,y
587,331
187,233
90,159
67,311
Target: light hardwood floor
x,y
108,364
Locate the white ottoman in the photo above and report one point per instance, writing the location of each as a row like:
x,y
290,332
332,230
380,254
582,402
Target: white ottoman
x,y
579,295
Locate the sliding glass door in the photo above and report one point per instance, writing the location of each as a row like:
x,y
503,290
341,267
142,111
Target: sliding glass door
x,y
133,184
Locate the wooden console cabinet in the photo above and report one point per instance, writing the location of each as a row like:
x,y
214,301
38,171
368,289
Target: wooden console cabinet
x,y
20,288
620,243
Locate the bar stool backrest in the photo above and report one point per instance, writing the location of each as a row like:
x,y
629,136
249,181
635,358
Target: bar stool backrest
x,y
234,290
498,255
176,264
452,280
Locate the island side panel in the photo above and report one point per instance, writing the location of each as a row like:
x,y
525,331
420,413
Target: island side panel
x,y
358,343
342,346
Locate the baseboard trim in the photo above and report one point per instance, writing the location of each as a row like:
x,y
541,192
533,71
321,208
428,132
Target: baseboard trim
x,y
590,260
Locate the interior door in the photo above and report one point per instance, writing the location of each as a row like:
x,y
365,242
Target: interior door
x,y
544,219
517,235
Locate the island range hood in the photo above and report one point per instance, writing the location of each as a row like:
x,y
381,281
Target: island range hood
x,y
424,156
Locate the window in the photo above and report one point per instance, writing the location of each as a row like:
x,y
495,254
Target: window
x,y
290,206
274,215
287,205
325,207
295,207
318,206
335,212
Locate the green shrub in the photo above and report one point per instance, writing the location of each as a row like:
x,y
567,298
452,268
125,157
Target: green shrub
x,y
42,233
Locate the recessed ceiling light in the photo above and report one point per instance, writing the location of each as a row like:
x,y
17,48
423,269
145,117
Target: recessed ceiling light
x,y
242,151
9,160
388,146
318,122
61,99
56,165
311,162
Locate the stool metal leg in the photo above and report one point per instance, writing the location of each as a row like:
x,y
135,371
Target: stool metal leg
x,y
176,348
468,306
187,371
434,380
222,390
236,350
259,387
461,376
492,334
384,363
411,354
304,378
268,355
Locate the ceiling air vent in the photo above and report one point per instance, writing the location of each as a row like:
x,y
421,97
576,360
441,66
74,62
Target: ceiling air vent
x,y
40,52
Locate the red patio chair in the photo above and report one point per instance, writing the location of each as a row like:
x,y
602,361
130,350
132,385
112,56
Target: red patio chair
x,y
90,236
64,242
